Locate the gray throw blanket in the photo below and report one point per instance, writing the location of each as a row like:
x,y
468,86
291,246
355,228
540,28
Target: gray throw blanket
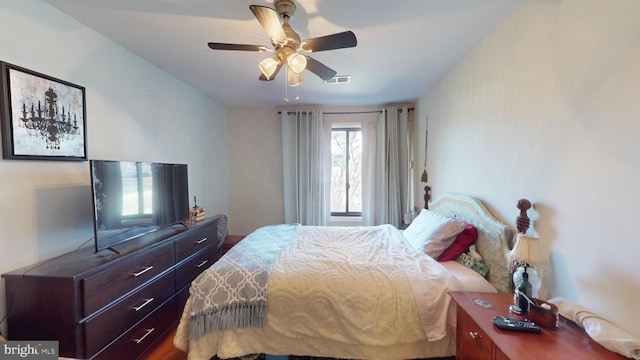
x,y
232,293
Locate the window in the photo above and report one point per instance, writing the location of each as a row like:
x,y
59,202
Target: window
x,y
136,189
346,171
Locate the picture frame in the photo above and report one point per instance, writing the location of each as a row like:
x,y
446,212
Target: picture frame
x,y
42,118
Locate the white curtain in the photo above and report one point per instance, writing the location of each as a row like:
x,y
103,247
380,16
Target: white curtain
x,y
386,180
306,151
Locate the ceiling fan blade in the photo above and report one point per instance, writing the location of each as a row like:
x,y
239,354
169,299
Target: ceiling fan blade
x,y
329,42
270,21
275,73
240,47
320,69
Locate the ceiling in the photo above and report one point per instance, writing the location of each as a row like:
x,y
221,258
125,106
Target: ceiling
x,y
404,47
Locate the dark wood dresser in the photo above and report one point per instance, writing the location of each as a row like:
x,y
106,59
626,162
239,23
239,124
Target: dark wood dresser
x,y
478,339
106,304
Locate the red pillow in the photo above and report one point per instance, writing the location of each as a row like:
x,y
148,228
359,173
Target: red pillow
x,y
466,238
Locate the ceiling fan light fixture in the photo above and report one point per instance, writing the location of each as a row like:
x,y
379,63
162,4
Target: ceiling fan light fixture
x,y
293,78
286,43
297,62
269,66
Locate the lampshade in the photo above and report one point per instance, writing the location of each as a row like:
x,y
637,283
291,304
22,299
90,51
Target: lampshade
x,y
297,62
269,66
293,78
527,251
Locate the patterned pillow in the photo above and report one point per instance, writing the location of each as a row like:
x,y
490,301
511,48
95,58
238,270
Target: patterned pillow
x,y
477,265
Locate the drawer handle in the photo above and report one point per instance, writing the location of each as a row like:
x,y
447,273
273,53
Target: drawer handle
x,y
202,240
143,271
147,333
146,302
474,335
202,263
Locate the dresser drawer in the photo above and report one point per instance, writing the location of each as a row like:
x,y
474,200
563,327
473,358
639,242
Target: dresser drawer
x,y
103,328
193,266
195,240
103,288
135,341
473,343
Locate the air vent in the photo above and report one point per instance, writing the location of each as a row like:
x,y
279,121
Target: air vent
x,y
339,79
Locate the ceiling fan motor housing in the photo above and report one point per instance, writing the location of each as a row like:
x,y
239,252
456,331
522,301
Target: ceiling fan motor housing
x,y
293,39
285,8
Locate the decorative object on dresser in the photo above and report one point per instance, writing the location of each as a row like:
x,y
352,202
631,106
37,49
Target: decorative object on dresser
x,y
106,305
196,213
477,338
526,256
43,118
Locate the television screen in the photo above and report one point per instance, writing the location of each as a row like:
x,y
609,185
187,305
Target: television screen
x,y
133,198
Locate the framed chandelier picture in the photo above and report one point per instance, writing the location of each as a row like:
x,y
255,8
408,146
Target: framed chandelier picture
x,y
42,118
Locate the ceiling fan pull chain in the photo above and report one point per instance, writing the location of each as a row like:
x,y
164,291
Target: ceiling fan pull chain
x,y
286,88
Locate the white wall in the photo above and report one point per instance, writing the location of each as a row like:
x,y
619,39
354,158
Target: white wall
x,y
256,196
134,112
546,108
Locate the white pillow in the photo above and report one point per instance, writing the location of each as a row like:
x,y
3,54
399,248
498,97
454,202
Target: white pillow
x,y
432,233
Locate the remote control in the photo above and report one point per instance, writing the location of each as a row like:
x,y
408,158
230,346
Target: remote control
x,y
509,323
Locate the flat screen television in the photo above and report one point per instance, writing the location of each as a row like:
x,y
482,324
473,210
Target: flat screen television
x,y
132,198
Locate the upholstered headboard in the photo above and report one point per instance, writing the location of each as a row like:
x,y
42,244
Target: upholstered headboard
x,y
494,237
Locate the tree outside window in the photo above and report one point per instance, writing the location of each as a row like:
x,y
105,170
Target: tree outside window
x,y
346,172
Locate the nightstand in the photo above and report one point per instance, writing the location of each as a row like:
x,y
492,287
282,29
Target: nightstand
x,y
478,339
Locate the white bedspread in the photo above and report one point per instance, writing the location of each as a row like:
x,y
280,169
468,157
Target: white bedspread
x,y
337,290
355,285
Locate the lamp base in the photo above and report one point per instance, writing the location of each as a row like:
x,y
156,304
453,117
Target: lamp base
x,y
534,279
515,309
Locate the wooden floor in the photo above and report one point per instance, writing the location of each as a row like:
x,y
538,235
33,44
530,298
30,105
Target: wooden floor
x,y
165,350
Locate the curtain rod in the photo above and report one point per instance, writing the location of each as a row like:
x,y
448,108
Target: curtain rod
x,y
347,112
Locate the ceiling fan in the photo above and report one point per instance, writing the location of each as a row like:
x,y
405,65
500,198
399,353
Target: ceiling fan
x,y
288,46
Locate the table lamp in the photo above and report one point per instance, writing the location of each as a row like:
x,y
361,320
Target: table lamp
x,y
527,257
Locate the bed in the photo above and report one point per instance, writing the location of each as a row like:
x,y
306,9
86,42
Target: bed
x,y
334,292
